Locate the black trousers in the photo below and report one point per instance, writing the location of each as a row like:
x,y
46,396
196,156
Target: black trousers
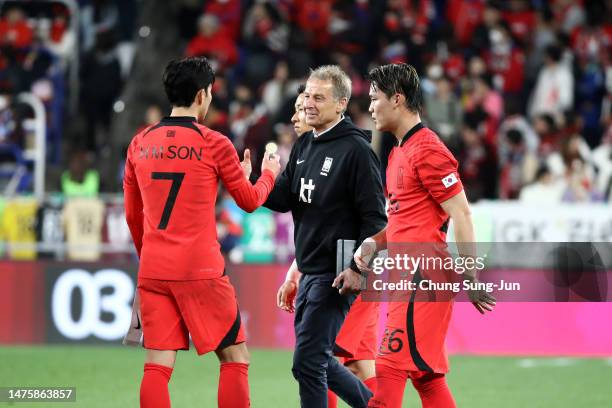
x,y
319,314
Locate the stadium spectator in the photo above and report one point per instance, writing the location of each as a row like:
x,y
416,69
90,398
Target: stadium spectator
x,y
97,17
213,42
101,66
80,180
61,40
266,34
444,113
580,188
602,159
546,189
548,133
573,149
505,60
485,103
228,13
554,89
477,162
15,32
517,163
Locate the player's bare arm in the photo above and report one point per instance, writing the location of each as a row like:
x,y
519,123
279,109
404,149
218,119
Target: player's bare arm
x,y
458,209
368,250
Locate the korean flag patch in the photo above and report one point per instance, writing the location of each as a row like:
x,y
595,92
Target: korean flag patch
x,y
449,180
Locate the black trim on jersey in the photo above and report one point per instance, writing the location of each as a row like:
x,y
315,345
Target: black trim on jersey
x,y
444,227
182,121
232,334
411,132
414,353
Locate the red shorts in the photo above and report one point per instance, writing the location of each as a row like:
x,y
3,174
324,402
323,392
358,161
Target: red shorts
x,y
357,338
206,308
414,337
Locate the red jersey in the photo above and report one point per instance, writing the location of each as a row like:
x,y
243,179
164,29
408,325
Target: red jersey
x,y
170,185
421,174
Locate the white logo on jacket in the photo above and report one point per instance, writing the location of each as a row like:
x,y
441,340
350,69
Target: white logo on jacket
x,y
304,188
326,166
450,180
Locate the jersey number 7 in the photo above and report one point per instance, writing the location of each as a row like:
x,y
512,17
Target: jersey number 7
x,y
177,180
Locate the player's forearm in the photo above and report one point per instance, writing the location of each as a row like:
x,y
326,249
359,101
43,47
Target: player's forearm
x,y
465,237
249,197
293,274
380,238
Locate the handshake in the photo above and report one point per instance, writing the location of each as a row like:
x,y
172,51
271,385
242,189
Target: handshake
x,y
270,162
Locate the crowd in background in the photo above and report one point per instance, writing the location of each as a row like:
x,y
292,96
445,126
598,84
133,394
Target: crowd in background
x,y
519,90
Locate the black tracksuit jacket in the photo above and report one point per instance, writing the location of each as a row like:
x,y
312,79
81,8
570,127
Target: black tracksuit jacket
x,y
333,188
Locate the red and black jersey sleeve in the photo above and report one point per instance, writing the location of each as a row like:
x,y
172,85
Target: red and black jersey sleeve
x,y
437,169
133,203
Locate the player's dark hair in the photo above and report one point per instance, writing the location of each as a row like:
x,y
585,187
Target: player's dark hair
x,y
183,79
399,78
301,88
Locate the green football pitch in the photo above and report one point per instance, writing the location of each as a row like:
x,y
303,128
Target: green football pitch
x,y
110,377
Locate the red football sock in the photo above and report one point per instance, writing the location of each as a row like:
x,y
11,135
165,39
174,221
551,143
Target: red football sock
x,y
390,384
154,386
371,384
233,386
332,400
434,391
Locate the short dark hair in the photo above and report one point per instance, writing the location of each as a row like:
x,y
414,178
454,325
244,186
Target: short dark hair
x,y
301,88
183,78
399,78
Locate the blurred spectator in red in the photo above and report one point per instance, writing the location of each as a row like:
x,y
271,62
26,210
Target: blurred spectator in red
x,y
213,42
443,112
477,162
228,13
522,20
266,34
484,98
545,190
14,29
569,14
554,89
61,40
312,17
465,16
505,60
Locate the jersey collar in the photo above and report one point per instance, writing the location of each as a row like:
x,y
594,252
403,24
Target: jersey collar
x,y
411,132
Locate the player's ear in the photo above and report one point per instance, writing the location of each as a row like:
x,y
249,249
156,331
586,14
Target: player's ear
x,y
399,99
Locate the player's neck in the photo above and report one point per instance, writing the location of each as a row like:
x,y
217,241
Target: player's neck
x,y
405,124
183,111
